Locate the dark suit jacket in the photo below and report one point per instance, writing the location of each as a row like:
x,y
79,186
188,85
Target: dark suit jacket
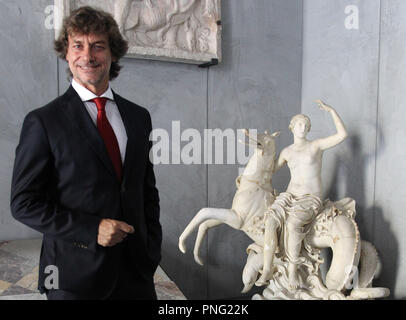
x,y
64,183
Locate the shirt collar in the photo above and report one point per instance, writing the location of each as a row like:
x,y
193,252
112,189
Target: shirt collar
x,y
86,95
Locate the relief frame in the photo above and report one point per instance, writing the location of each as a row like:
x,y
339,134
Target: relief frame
x,y
187,31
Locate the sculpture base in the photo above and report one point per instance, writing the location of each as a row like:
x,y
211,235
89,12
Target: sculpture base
x,y
355,262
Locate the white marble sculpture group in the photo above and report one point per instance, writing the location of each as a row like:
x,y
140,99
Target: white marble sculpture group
x,y
290,229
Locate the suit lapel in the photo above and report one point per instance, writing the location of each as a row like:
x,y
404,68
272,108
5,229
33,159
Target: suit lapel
x,y
80,118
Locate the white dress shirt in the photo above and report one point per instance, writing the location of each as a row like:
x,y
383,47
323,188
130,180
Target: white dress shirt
x,y
112,113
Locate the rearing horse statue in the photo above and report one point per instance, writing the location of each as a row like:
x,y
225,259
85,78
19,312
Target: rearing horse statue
x,y
354,264
254,194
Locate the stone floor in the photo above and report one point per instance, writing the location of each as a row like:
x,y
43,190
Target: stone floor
x,y
19,273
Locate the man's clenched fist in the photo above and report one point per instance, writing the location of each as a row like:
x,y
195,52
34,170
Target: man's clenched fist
x,y
112,232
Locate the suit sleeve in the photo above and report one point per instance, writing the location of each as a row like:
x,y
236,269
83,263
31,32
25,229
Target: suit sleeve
x,y
152,208
32,187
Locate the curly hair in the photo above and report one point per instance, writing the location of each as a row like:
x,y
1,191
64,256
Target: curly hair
x,y
296,118
86,20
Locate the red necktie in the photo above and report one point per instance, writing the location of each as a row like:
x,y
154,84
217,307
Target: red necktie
x,y
107,133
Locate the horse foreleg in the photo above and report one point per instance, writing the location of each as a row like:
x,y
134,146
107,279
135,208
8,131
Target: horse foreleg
x,y
227,216
200,235
250,273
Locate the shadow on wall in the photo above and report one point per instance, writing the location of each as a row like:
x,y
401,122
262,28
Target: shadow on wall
x,y
388,251
191,281
350,169
225,271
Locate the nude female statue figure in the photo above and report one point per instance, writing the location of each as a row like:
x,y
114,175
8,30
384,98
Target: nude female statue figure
x,y
304,159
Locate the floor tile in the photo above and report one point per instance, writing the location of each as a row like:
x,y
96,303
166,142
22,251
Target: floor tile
x,y
28,249
13,267
160,275
14,290
4,285
29,281
19,273
3,243
167,290
29,296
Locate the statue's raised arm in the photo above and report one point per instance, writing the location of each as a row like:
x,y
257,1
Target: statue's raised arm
x,y
331,141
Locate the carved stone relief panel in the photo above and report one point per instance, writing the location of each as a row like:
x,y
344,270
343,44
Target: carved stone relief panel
x,y
186,31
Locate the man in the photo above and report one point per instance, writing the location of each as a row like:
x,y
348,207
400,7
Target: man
x,y
303,198
82,174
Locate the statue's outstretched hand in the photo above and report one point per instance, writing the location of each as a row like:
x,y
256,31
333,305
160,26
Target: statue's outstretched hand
x,y
324,106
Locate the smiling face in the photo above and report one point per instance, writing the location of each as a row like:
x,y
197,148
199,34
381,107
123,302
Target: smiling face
x,y
89,57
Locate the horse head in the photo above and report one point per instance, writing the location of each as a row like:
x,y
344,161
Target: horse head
x,y
265,142
262,161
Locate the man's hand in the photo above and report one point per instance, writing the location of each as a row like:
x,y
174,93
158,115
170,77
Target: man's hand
x,y
112,232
